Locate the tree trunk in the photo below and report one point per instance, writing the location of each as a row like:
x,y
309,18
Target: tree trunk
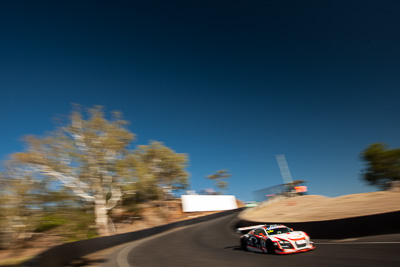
x,y
101,215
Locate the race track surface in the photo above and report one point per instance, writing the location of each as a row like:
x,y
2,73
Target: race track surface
x,y
214,243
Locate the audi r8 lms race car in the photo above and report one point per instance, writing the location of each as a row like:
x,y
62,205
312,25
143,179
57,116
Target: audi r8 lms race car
x,y
274,239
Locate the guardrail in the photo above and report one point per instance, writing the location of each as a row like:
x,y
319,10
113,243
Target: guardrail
x,y
378,224
63,254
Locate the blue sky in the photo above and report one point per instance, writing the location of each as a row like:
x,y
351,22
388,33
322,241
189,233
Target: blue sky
x,y
231,84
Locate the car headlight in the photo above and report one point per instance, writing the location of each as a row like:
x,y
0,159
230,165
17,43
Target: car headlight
x,y
284,242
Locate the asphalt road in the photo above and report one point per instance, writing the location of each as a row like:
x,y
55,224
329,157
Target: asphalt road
x,y
214,243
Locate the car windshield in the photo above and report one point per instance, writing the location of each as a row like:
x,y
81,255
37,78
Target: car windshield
x,y
277,231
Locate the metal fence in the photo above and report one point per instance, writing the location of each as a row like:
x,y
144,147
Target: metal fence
x,y
269,192
295,188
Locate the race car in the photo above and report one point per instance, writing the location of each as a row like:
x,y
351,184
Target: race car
x,y
274,239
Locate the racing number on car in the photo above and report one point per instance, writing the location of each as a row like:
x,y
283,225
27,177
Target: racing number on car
x,y
263,244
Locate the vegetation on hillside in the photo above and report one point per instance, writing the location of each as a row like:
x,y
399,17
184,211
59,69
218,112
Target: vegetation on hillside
x,y
73,177
383,166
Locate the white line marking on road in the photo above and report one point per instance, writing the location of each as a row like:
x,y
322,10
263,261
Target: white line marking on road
x,y
346,240
122,257
356,243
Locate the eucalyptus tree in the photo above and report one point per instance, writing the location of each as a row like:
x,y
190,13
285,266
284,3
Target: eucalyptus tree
x,y
383,165
22,199
88,156
159,170
218,178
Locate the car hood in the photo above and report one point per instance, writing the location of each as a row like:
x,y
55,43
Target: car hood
x,y
292,235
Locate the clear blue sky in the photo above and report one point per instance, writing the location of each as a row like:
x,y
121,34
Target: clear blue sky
x,y
230,83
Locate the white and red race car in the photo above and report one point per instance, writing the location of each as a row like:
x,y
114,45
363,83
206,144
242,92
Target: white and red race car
x,y
274,239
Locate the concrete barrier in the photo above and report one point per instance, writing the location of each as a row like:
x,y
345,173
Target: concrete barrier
x,y
378,224
63,254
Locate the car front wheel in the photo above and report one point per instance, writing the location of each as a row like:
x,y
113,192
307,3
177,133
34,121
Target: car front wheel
x,y
270,247
243,243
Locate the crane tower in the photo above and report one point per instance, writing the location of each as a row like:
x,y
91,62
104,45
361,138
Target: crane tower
x,y
284,168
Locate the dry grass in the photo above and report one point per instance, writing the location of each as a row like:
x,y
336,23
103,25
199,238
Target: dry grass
x,y
318,208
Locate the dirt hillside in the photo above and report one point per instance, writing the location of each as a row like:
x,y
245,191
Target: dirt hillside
x,y
318,208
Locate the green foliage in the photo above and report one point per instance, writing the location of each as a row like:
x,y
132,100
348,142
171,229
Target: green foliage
x,y
73,223
22,200
89,162
79,225
383,165
158,166
219,183
49,222
87,156
159,170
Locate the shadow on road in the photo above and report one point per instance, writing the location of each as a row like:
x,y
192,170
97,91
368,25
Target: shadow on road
x,y
235,248
85,262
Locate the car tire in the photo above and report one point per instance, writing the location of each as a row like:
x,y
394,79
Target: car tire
x,y
243,243
270,247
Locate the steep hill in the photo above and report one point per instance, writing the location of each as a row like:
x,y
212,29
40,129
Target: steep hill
x,y
318,208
